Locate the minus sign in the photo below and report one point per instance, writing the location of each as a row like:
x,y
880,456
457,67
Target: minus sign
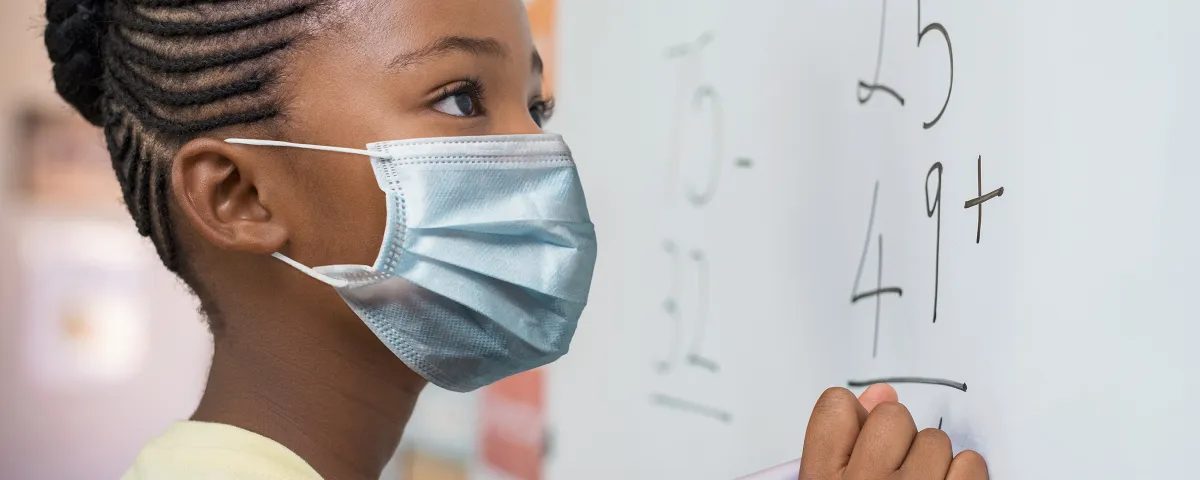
x,y
743,162
677,403
927,381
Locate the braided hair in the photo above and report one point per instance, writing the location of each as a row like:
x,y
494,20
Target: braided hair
x,y
157,73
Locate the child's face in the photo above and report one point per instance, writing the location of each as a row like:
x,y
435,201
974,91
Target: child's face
x,y
387,70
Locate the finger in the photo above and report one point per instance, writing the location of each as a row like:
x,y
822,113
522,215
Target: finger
x,y
929,456
968,465
877,394
832,430
883,442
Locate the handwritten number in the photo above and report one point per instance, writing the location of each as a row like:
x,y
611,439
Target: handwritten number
x,y
930,209
671,307
880,290
692,355
706,94
691,70
871,88
937,27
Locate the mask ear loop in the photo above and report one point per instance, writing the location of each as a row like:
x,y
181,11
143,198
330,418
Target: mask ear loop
x,y
333,282
277,143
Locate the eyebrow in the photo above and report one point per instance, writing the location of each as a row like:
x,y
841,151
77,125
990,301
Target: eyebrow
x,y
489,47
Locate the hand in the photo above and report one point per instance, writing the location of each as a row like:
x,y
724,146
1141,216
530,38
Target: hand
x,y
874,437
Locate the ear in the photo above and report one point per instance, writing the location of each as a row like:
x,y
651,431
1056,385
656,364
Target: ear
x,y
214,184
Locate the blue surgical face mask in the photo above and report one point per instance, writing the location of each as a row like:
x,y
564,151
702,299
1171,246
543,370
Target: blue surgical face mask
x,y
487,260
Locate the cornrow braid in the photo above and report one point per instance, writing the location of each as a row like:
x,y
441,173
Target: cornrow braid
x,y
129,18
173,3
157,73
155,62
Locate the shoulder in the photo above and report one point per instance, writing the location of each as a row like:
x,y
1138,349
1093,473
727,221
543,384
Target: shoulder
x,y
197,450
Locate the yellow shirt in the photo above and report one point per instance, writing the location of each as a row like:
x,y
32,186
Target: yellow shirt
x,y
212,451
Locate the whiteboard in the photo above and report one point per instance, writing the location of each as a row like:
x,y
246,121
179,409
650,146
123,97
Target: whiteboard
x,y
732,161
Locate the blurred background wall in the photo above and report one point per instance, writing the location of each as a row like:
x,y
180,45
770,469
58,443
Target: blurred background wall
x,y
69,411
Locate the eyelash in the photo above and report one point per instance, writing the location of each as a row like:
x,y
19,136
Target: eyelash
x,y
470,87
545,106
474,89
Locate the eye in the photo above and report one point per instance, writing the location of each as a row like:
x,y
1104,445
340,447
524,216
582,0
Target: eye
x,y
458,104
541,111
463,100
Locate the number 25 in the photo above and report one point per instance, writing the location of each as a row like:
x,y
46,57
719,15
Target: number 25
x,y
922,31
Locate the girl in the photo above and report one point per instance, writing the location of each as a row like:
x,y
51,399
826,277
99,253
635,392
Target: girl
x,y
336,285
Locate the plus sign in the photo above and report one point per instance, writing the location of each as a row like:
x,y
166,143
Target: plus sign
x,y
978,201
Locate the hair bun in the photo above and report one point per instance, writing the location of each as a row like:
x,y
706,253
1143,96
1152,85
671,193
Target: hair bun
x,y
74,35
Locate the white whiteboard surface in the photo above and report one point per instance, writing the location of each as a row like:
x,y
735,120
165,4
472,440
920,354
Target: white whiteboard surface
x,y
1071,320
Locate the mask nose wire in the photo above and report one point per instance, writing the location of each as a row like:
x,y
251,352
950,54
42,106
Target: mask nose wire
x,y
324,148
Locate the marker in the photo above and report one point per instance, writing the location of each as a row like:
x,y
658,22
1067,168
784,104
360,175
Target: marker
x,y
787,471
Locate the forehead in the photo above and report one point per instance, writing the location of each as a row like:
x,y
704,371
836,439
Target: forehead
x,y
389,27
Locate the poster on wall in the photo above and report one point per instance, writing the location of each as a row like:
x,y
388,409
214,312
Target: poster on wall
x,y
81,304
84,310
63,163
513,425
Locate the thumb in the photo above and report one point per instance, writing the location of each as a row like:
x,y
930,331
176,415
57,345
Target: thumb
x,y
877,394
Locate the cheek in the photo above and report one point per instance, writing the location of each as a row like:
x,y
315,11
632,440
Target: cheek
x,y
366,217
349,216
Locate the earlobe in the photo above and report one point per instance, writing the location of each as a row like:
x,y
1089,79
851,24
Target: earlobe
x,y
220,192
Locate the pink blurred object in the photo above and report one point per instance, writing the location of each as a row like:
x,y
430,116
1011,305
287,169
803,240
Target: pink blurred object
x,y
787,471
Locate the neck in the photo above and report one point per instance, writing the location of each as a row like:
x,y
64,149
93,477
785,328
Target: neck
x,y
338,399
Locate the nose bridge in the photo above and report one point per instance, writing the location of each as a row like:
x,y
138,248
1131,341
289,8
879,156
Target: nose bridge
x,y
514,119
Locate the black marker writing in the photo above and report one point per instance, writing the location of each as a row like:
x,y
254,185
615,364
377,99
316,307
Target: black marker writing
x,y
693,355
671,307
930,209
927,381
879,290
867,90
921,32
688,406
706,95
697,320
685,49
702,96
978,202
